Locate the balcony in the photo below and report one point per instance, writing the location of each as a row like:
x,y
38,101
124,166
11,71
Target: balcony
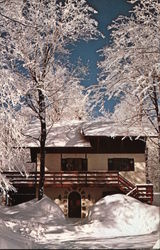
x,y
66,178
86,179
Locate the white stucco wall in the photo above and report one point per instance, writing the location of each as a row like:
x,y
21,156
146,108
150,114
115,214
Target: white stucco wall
x,y
53,162
99,162
137,176
64,156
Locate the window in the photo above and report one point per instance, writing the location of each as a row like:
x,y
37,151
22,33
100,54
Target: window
x,y
121,164
74,164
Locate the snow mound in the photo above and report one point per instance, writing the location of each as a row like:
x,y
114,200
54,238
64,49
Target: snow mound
x,y
28,220
157,244
44,210
121,215
11,240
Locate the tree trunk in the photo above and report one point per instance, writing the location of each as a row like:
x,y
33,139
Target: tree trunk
x,y
159,145
42,144
146,163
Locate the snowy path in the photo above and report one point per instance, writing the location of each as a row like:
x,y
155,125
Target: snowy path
x,y
68,238
132,242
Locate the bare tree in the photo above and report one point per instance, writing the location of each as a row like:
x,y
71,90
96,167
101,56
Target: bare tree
x,y
34,45
130,68
13,156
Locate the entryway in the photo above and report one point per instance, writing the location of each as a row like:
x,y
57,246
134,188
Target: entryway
x,y
74,205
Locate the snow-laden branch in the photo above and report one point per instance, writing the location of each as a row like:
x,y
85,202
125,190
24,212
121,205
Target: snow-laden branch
x,y
34,43
130,69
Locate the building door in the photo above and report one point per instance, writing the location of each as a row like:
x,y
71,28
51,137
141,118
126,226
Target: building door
x,y
74,205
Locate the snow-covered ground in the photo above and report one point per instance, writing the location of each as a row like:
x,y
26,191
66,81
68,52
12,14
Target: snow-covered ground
x,y
116,221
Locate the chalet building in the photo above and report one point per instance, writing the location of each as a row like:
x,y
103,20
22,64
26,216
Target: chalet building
x,y
85,162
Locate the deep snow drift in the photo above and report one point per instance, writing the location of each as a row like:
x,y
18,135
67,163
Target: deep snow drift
x,y
24,224
11,240
122,215
41,224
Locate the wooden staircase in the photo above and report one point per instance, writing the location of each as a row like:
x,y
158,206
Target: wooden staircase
x,y
142,192
125,185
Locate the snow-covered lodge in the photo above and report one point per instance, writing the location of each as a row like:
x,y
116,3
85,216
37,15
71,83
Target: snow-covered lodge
x,y
85,162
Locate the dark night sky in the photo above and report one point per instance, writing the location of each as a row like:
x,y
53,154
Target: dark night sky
x,y
108,10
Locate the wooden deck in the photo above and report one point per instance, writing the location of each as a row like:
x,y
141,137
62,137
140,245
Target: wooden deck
x,y
86,179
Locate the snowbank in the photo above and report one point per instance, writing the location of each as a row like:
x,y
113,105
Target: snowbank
x,y
42,224
121,215
12,240
41,211
24,225
157,244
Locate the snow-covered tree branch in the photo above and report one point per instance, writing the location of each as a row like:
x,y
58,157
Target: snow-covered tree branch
x,y
130,68
13,156
34,46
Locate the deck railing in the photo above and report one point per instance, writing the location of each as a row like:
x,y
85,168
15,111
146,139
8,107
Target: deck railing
x,y
63,178
145,192
95,178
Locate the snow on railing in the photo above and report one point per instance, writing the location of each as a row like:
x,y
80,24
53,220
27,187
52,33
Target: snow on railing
x,y
132,191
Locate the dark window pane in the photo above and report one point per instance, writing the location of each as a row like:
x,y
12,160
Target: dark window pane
x,y
74,164
63,164
121,164
84,164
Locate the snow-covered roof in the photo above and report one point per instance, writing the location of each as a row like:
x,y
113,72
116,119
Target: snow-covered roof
x,y
59,135
111,129
73,134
